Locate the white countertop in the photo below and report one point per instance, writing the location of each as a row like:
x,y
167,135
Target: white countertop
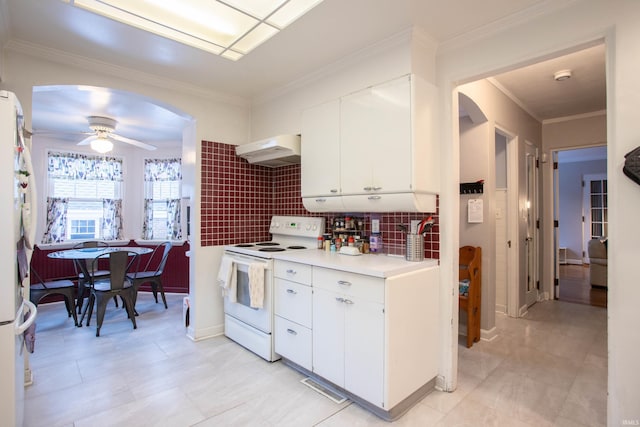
x,y
377,265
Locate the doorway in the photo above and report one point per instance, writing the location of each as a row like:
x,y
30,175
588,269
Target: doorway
x,y
580,200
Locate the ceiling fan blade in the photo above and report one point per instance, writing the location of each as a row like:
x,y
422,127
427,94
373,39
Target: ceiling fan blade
x,y
132,142
88,140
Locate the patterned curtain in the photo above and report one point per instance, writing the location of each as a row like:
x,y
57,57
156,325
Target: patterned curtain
x,y
56,220
76,166
174,230
112,219
156,171
147,225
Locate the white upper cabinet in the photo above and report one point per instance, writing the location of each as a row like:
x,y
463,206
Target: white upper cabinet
x,y
320,154
375,139
374,150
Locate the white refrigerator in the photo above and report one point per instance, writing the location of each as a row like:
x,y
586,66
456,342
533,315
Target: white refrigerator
x,y
17,193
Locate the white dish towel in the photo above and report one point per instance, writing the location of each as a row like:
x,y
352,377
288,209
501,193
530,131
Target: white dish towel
x,y
256,285
227,278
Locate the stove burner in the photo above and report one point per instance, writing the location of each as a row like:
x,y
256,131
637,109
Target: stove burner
x,y
296,247
244,245
267,244
272,249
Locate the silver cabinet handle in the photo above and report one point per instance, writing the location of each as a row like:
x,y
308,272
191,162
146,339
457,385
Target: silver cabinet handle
x,y
334,190
339,299
321,200
347,301
377,188
374,197
367,188
291,271
344,282
292,332
291,291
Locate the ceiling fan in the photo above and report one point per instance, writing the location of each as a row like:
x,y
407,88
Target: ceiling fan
x,y
103,133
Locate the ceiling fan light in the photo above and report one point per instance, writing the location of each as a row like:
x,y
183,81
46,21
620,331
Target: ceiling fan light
x,y
102,145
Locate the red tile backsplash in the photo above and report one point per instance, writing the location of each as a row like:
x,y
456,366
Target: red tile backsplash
x,y
239,199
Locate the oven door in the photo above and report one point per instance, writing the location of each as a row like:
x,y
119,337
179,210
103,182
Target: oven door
x,y
259,318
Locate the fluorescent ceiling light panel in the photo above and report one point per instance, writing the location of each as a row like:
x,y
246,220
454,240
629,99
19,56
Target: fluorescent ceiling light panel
x,y
230,28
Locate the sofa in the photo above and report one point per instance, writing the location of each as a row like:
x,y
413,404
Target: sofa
x,y
597,250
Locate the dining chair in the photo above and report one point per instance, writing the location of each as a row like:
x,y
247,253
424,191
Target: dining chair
x,y
41,288
117,284
87,268
152,272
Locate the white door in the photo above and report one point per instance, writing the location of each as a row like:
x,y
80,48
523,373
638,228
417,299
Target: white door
x,y
530,216
556,230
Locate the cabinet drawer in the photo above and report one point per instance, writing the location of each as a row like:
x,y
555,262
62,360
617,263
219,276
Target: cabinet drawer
x,y
356,285
296,272
293,342
293,301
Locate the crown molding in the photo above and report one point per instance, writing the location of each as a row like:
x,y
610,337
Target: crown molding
x,y
345,62
68,59
575,117
499,25
514,98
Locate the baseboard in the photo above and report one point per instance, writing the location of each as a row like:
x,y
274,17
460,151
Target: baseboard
x,y
489,334
205,333
500,308
574,261
523,311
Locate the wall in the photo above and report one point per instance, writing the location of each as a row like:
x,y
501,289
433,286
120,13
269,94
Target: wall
x,y
570,201
573,25
239,199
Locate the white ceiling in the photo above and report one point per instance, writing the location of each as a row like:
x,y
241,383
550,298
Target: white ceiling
x,y
331,31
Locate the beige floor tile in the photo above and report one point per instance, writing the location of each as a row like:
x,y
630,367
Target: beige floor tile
x,y
549,368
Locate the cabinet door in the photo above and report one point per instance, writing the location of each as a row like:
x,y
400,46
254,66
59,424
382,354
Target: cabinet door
x,y
320,150
391,145
364,350
355,142
328,336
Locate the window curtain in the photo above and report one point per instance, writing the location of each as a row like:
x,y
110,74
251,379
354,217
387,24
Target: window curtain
x,y
112,219
147,225
156,170
76,166
174,231
56,220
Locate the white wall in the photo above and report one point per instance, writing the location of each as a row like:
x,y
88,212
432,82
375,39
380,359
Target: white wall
x,y
576,25
216,118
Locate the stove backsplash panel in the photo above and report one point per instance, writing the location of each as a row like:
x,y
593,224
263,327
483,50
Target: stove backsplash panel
x,y
239,199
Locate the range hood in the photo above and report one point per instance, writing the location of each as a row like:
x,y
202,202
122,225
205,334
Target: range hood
x,y
281,150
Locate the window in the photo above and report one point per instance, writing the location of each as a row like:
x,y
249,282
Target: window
x,y
84,197
599,218
162,187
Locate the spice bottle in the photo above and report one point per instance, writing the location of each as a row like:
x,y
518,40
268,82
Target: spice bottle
x,y
320,242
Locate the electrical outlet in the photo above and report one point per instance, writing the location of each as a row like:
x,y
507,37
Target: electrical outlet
x,y
414,226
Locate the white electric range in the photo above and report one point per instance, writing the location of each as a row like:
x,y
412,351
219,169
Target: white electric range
x,y
249,326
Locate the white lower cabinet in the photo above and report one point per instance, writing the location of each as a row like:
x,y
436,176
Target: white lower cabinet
x,y
292,325
348,332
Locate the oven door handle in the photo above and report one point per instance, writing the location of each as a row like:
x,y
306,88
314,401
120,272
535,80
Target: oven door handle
x,y
245,260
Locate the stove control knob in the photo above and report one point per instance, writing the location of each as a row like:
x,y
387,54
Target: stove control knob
x,y
308,227
275,225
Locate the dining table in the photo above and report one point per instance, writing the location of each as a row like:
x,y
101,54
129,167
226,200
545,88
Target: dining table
x,y
85,254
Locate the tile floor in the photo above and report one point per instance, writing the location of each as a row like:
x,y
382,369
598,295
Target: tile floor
x,y
547,369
